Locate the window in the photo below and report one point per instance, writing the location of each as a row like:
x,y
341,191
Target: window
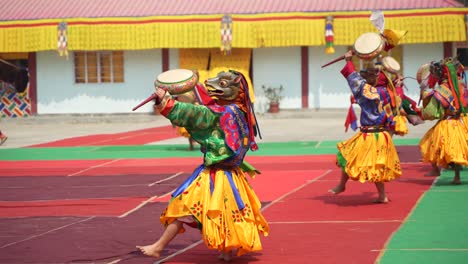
x,y
99,67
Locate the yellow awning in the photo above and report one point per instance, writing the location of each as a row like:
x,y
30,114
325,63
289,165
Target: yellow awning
x,y
249,31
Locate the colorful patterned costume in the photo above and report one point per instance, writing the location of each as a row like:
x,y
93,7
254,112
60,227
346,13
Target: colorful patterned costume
x,y
464,91
217,197
446,143
188,97
410,107
370,155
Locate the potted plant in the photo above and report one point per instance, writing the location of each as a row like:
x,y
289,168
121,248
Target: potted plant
x,y
273,94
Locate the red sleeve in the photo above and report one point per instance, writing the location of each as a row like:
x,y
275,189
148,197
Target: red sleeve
x,y
348,69
168,107
202,95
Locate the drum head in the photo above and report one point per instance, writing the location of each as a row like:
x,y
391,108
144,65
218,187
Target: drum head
x,y
177,81
367,43
390,64
423,73
175,76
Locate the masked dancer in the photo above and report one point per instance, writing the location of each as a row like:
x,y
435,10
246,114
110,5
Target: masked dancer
x,y
445,145
217,197
370,155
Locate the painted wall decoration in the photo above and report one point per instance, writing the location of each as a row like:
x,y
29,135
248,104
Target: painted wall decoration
x,y
12,103
62,39
226,34
329,49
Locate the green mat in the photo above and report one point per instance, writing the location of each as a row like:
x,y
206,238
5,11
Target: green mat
x,y
437,230
162,151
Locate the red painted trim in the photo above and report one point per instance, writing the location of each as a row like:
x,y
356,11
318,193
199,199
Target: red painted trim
x,y
244,19
305,77
165,60
448,49
348,16
124,22
144,21
32,68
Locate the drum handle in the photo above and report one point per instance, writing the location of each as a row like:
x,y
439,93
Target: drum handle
x,y
150,98
335,60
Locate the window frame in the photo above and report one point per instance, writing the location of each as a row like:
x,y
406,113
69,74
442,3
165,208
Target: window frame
x,y
99,67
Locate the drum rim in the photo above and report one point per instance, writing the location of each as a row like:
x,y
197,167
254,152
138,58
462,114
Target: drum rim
x,y
180,81
387,65
379,47
422,68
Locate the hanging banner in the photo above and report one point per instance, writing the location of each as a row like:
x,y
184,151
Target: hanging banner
x,y
329,35
226,34
62,39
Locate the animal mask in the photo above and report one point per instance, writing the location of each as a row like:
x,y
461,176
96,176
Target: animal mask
x,y
225,86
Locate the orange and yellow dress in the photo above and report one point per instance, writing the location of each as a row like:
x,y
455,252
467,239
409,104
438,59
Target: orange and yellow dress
x,y
217,198
370,154
446,143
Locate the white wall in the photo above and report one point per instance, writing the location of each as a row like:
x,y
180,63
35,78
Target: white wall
x,y
275,67
415,56
327,87
173,59
57,93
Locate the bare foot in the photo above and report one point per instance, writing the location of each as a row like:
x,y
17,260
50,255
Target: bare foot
x,y
150,250
227,256
3,138
381,200
337,190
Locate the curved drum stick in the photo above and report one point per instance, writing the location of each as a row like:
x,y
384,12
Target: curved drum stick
x,y
150,98
335,60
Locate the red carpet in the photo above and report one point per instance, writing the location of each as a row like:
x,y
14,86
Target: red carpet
x,y
308,225
97,167
312,225
136,137
83,207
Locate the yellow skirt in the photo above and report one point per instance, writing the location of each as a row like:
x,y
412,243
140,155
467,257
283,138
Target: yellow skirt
x,y
464,119
446,142
369,157
401,128
181,131
214,198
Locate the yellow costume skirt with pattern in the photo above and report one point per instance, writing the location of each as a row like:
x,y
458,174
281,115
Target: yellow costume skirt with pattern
x,y
369,157
224,206
401,128
445,143
464,119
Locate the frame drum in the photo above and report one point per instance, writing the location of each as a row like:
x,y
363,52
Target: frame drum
x,y
423,73
368,45
390,64
177,81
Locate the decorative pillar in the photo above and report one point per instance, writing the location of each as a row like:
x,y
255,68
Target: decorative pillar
x,y
305,77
